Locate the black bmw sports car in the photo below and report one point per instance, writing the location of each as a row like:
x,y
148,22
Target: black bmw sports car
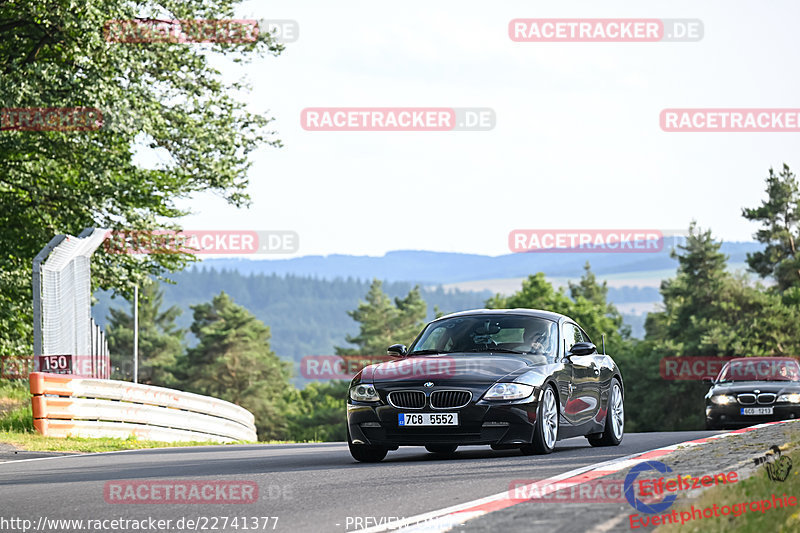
x,y
512,378
753,390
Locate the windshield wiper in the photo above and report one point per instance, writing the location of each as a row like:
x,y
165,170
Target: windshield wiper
x,y
498,350
426,352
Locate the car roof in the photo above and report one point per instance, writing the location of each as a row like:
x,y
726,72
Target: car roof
x,y
538,313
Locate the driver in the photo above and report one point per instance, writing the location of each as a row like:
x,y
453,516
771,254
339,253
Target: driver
x,y
538,339
789,372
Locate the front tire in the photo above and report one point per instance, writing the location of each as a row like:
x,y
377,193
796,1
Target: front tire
x,y
545,432
366,453
615,419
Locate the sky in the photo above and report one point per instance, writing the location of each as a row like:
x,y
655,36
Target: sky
x,y
577,142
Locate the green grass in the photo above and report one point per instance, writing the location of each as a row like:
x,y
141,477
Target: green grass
x,y
34,442
15,406
756,487
14,389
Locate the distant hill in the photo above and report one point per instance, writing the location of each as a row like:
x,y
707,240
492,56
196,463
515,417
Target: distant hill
x,y
445,268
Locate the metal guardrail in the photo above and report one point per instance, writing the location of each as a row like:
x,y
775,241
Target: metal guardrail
x,y
82,407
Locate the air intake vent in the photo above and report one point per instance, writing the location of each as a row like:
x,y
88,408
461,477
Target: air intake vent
x,y
450,399
747,399
766,398
412,399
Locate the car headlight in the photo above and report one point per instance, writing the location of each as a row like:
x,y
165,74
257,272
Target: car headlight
x,y
364,392
791,397
508,391
723,399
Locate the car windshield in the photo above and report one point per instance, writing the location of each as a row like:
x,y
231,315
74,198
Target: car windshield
x,y
760,369
489,333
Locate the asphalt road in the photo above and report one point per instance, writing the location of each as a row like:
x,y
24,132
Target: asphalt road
x,y
308,487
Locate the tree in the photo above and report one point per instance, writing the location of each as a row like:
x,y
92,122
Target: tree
x,y
691,298
588,306
160,340
410,317
779,216
595,313
233,361
318,412
589,288
163,97
536,293
382,323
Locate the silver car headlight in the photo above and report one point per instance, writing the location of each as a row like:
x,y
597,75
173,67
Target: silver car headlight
x,y
364,392
508,391
791,397
723,399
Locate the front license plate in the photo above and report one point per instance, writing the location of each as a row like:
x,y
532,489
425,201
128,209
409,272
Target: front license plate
x,y
427,419
756,410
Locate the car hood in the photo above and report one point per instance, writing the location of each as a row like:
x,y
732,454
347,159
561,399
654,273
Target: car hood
x,y
482,368
737,387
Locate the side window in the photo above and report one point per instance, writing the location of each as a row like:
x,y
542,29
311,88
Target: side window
x,y
584,335
568,331
573,334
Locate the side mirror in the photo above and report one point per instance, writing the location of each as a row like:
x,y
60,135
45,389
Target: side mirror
x,y
583,348
397,350
708,379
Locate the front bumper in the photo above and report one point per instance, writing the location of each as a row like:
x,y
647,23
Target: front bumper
x,y
479,423
730,415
